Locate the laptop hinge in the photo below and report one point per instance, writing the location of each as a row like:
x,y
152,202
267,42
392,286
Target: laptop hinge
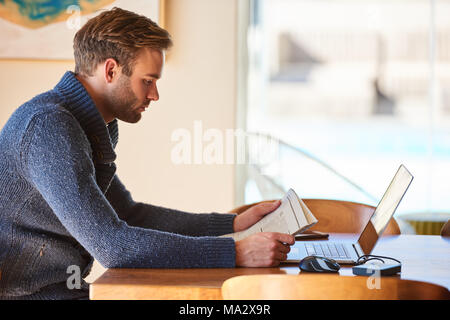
x,y
358,249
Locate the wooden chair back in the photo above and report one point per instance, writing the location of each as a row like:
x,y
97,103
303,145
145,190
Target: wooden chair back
x,y
329,287
445,231
336,216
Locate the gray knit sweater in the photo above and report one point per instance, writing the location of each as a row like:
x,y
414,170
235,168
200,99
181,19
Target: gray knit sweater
x,y
62,205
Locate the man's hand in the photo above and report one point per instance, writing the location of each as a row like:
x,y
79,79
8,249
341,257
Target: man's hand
x,y
252,215
264,249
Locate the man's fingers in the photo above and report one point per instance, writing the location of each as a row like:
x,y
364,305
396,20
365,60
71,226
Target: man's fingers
x,y
277,259
281,237
280,256
267,207
284,248
263,249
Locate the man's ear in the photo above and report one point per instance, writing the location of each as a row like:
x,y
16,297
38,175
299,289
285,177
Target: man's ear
x,y
111,70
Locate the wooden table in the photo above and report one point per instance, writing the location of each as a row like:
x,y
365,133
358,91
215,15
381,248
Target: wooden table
x,y
424,258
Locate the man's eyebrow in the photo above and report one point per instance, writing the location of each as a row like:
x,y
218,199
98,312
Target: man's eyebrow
x,y
153,75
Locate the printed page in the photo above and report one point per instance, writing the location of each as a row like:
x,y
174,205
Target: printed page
x,y
311,220
291,217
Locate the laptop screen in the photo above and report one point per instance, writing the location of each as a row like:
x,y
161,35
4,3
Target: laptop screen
x,y
385,209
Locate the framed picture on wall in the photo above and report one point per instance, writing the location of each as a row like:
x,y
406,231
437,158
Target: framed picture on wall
x,y
45,29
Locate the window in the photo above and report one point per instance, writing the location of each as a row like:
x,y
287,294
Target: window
x,y
350,89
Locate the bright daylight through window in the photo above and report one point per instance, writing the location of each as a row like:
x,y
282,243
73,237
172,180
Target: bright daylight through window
x,y
351,89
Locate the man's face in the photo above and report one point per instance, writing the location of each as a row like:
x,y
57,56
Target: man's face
x,y
132,95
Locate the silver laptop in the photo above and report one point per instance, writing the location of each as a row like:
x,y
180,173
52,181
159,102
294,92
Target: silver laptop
x,y
349,253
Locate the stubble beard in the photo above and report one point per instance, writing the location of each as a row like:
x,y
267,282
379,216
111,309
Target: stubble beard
x,y
123,102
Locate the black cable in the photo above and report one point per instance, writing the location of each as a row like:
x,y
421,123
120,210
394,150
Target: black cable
x,y
368,257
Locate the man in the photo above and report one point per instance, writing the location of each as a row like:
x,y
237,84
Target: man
x,y
61,204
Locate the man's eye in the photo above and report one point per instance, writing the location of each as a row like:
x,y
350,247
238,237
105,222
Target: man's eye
x,y
148,82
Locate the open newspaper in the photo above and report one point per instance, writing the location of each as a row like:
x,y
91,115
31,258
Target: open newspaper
x,y
292,217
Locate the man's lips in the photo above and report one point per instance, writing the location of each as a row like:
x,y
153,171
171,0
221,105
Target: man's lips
x,y
142,109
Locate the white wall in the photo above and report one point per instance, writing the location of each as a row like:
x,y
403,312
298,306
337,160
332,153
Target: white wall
x,y
198,83
22,80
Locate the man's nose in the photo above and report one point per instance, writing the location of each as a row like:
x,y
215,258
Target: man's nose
x,y
153,94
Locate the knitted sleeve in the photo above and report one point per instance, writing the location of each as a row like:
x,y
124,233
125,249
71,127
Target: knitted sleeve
x,y
55,157
155,217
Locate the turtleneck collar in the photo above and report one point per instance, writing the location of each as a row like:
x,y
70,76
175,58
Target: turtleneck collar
x,y
103,137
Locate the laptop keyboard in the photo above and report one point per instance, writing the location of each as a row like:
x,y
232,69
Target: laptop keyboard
x,y
333,250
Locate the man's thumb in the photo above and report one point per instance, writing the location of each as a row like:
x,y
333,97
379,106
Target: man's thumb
x,y
268,207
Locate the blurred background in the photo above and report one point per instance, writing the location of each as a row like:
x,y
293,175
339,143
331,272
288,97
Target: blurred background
x,y
351,90
333,96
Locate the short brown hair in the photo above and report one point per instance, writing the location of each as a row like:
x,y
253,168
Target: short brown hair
x,y
117,34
